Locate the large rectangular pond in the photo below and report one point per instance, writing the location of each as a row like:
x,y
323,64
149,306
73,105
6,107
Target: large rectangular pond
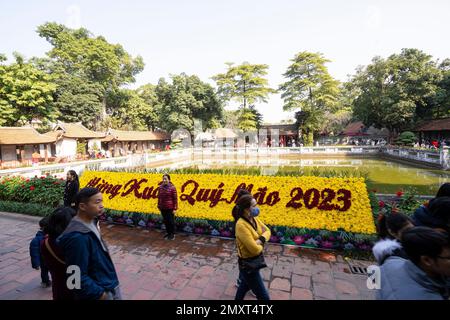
x,y
385,176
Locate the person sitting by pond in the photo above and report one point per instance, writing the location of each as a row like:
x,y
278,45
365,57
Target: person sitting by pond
x,y
422,215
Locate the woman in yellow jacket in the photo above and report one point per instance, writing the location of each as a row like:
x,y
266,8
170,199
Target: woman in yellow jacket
x,y
251,235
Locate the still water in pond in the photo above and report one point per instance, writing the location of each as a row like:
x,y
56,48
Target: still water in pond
x,y
385,176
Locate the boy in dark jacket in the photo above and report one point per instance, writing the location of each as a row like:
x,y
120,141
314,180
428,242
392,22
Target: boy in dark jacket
x,y
35,252
84,248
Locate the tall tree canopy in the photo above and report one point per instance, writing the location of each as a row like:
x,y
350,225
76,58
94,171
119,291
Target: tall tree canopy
x,y
311,90
394,91
26,93
130,111
185,99
82,54
77,56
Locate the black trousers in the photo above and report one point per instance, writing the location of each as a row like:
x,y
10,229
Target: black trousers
x,y
44,272
169,221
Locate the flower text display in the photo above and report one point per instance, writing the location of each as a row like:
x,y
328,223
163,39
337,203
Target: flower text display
x,y
303,202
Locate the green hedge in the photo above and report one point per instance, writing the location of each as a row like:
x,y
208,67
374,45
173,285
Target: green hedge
x,y
33,209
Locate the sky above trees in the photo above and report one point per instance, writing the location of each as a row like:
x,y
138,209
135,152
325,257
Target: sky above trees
x,y
199,36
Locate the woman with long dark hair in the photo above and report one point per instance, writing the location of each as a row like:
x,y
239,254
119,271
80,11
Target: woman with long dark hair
x,y
53,255
251,235
71,189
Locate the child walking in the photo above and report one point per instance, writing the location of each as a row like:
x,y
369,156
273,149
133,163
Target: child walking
x,y
35,252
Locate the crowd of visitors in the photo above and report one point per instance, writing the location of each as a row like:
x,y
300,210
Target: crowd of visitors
x,y
413,253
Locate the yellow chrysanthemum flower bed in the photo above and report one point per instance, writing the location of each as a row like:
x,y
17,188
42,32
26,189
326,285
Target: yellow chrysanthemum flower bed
x,y
302,202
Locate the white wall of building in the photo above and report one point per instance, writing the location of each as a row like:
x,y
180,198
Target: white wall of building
x,y
66,148
42,150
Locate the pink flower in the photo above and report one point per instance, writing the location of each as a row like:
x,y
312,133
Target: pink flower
x,y
327,244
299,240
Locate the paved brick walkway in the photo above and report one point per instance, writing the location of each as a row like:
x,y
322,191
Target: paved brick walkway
x,y
191,267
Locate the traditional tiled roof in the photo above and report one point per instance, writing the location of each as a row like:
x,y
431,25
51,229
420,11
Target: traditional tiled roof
x,y
435,125
23,136
225,133
120,135
56,135
354,129
77,131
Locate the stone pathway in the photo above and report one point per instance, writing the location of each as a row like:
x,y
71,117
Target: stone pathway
x,y
191,267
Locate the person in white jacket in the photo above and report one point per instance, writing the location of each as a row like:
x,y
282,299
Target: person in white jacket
x,y
425,275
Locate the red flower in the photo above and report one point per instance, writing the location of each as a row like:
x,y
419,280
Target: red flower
x,y
42,177
381,204
27,180
399,193
32,188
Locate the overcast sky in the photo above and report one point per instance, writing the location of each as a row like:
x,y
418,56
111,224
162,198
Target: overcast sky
x,y
199,36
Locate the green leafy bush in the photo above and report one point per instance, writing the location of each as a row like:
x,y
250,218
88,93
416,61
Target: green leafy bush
x,y
46,190
33,209
406,138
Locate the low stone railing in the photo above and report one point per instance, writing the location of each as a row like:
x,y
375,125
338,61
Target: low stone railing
x,y
189,155
439,157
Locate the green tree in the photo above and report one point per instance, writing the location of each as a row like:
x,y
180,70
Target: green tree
x,y
247,85
396,91
79,54
230,119
129,111
247,120
185,99
26,93
337,119
406,138
78,99
310,89
258,117
441,107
